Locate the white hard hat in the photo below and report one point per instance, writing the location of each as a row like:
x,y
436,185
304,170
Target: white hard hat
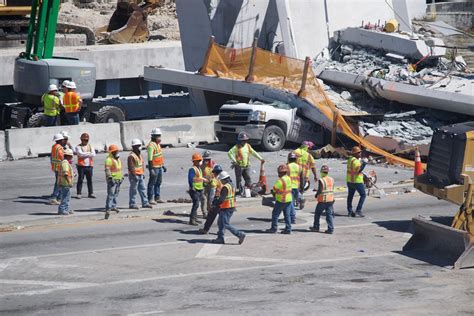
x,y
71,85
156,131
68,152
57,137
52,87
65,83
65,134
136,142
223,175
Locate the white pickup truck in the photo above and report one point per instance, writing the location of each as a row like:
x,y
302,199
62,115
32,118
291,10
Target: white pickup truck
x,y
268,124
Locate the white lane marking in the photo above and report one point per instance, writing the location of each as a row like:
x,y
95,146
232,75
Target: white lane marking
x,y
208,251
146,313
256,259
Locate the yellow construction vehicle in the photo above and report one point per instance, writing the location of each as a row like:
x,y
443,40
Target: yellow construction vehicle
x,y
449,176
128,23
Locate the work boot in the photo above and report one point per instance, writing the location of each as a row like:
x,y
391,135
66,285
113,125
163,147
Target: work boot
x,y
71,212
218,241
53,202
107,214
271,231
147,206
241,239
352,214
194,222
79,196
293,221
65,213
152,202
116,210
286,232
204,215
134,207
359,213
328,231
159,201
91,196
203,231
314,229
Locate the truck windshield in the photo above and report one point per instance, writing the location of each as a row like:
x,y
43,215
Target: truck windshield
x,y
275,104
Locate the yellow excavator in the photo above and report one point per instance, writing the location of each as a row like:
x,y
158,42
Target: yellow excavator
x,y
128,23
449,176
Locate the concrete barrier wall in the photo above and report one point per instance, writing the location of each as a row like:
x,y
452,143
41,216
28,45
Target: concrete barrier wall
x,y
3,147
176,131
31,142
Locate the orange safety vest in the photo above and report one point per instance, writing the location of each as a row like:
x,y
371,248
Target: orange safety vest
x,y
81,161
327,193
138,162
157,156
57,155
229,201
71,102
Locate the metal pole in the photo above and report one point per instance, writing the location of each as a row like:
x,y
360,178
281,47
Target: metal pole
x,y
204,70
250,77
302,93
334,129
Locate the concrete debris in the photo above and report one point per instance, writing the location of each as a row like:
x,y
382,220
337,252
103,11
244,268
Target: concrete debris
x,y
346,95
329,151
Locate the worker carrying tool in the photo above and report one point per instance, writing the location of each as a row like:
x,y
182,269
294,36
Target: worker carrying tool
x,y
325,198
216,186
72,103
296,175
283,200
355,181
239,156
136,176
51,105
208,192
306,161
114,178
85,165
65,183
196,186
57,155
227,207
156,167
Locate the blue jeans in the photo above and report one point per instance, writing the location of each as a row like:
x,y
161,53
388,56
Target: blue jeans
x,y
224,223
154,183
56,190
196,197
353,187
320,208
295,193
63,207
72,118
50,120
137,183
113,189
286,208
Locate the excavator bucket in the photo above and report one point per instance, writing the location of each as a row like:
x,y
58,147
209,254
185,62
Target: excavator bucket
x,y
135,31
454,245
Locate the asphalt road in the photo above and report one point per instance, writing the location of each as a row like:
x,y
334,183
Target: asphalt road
x,y
25,185
158,265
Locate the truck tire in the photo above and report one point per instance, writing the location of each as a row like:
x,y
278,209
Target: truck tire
x,y
109,114
273,138
36,120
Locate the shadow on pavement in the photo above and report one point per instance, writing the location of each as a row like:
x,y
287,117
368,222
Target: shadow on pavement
x,y
402,226
427,258
444,220
170,221
43,213
94,209
197,241
187,232
259,219
254,231
42,197
215,147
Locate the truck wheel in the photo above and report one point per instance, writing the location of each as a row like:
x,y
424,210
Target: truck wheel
x,y
36,120
273,138
109,114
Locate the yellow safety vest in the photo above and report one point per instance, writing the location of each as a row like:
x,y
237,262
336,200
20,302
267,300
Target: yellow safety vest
x,y
229,201
295,171
282,190
353,174
198,180
155,156
327,193
305,160
65,174
242,155
114,166
51,104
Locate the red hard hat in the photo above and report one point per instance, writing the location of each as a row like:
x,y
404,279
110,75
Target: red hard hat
x,y
282,169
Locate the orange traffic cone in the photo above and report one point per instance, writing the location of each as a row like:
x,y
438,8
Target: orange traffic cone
x,y
418,165
262,180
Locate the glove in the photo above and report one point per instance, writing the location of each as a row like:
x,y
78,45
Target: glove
x,y
365,160
164,169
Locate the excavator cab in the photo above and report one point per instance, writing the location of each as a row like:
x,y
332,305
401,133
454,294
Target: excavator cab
x,y
449,176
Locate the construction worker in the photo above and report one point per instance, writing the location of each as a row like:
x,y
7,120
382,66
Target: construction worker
x,y
65,182
226,204
156,166
239,155
72,103
208,192
196,186
67,144
51,105
283,200
64,89
216,186
325,198
114,178
136,176
306,161
355,181
85,165
296,175
57,155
